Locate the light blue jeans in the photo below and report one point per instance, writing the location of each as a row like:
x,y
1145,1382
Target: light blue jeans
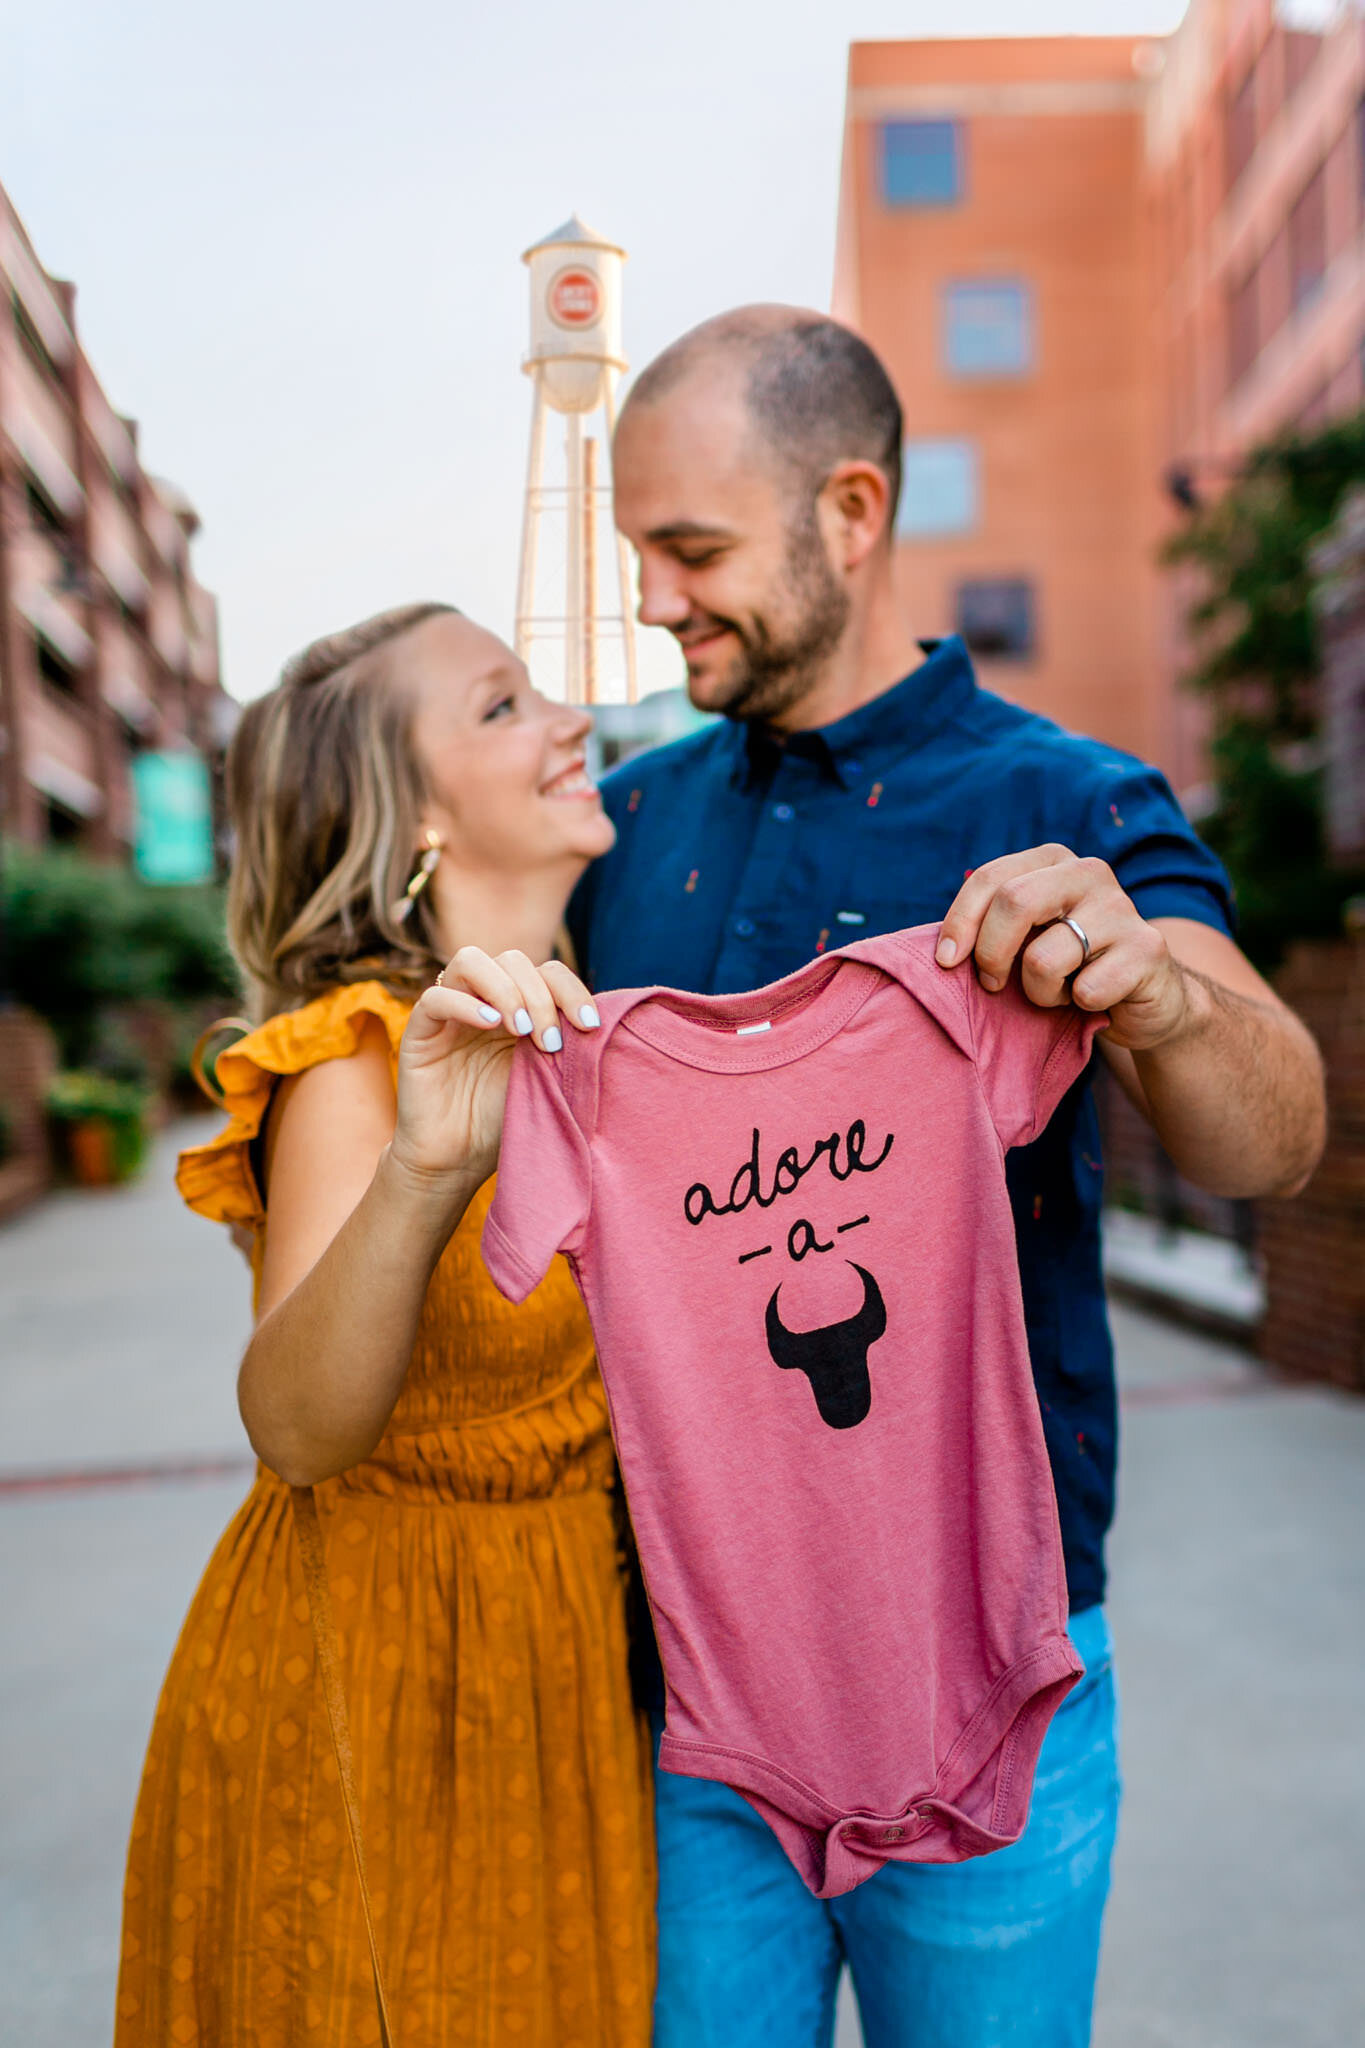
x,y
997,1952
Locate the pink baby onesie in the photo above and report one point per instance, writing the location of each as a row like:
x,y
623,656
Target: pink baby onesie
x,y
787,1215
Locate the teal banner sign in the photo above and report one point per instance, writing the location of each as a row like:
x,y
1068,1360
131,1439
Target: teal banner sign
x,y
174,805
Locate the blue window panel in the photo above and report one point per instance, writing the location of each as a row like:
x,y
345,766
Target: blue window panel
x,y
988,329
939,489
921,163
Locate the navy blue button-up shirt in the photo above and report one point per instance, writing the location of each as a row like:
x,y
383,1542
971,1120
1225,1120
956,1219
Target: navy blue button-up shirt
x,y
740,856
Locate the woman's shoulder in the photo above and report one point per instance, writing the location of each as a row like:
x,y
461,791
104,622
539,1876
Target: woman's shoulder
x,y
218,1179
328,1028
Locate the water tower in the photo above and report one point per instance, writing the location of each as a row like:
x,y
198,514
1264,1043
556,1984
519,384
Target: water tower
x,y
573,363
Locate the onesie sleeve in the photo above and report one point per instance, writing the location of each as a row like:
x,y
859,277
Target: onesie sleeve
x,y
544,1178
1026,1057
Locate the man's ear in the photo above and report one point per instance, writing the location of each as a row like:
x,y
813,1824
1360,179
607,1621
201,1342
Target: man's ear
x,y
855,505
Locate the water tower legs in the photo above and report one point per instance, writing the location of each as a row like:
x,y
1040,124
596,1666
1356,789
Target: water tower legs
x,y
573,563
627,596
589,518
530,531
587,626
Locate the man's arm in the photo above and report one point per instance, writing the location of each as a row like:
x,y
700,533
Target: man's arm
x,y
1228,1076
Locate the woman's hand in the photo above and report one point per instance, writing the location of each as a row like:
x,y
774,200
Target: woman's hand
x,y
456,1055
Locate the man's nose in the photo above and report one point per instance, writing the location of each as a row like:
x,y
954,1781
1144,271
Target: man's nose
x,y
663,602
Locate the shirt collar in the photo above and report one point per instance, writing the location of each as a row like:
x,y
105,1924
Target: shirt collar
x,y
902,718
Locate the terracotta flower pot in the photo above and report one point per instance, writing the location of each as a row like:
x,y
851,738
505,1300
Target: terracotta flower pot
x,y
90,1151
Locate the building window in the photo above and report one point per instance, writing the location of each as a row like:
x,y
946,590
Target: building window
x,y
44,512
938,489
1301,52
988,329
1241,128
37,350
54,667
1308,240
64,828
996,618
1244,328
921,163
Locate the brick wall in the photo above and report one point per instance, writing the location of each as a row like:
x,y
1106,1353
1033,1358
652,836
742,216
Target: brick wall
x,y
1138,1174
28,1060
1314,1247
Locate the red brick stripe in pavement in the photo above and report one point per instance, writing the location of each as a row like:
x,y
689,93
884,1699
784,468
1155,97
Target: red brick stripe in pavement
x,y
90,1478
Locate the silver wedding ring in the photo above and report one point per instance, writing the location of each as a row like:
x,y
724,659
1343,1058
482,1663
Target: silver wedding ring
x,y
1085,943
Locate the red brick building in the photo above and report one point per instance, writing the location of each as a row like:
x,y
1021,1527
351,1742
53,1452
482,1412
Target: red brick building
x,y
1255,188
108,644
1095,265
991,247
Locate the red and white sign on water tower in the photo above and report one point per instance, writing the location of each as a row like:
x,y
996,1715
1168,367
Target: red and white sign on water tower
x,y
575,297
575,316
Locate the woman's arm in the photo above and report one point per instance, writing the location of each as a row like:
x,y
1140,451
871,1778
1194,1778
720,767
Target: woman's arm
x,y
364,1190
353,1240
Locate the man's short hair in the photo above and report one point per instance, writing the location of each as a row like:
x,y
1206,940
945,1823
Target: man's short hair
x,y
816,393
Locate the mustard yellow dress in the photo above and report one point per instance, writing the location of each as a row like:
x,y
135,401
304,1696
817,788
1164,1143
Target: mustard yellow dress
x,y
479,1596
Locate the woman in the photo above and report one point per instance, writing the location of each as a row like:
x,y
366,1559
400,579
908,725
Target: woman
x,y
401,797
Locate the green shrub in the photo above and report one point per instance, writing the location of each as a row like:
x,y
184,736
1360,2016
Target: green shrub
x,y
79,1096
85,937
1258,659
78,1093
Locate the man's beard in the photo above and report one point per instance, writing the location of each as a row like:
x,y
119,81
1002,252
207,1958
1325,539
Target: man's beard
x,y
776,667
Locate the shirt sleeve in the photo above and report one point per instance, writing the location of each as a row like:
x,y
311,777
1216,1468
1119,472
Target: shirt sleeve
x,y
1135,824
543,1193
1026,1057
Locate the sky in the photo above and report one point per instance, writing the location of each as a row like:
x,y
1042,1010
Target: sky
x,y
295,227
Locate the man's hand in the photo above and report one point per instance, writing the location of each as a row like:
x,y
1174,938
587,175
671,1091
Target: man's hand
x,y
1008,909
1226,1074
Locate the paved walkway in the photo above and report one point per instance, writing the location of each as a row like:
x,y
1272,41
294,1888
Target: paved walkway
x,y
1238,1591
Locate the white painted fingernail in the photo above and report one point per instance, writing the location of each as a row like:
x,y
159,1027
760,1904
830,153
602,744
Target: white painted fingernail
x,y
521,1023
553,1039
588,1017
489,1014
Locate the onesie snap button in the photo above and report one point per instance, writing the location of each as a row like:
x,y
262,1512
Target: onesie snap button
x,y
894,1834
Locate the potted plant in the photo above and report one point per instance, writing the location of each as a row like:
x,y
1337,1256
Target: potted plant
x,y
100,1124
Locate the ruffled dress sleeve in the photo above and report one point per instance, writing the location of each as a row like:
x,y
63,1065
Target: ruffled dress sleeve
x,y
218,1180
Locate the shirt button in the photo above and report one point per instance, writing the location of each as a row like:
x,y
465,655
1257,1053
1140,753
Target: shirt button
x,y
784,812
744,927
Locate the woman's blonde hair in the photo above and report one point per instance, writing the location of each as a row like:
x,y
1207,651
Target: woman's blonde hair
x,y
325,795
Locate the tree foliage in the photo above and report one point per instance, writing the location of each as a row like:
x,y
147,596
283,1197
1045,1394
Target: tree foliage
x,y
83,938
1258,658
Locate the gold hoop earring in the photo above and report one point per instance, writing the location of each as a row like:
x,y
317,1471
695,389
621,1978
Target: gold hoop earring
x,y
426,868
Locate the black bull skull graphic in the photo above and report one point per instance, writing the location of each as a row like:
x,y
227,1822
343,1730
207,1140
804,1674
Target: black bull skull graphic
x,y
833,1358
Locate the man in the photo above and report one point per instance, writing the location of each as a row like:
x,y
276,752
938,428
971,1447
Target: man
x,y
855,786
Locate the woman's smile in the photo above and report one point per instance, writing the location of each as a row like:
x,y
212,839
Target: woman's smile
x,y
571,781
